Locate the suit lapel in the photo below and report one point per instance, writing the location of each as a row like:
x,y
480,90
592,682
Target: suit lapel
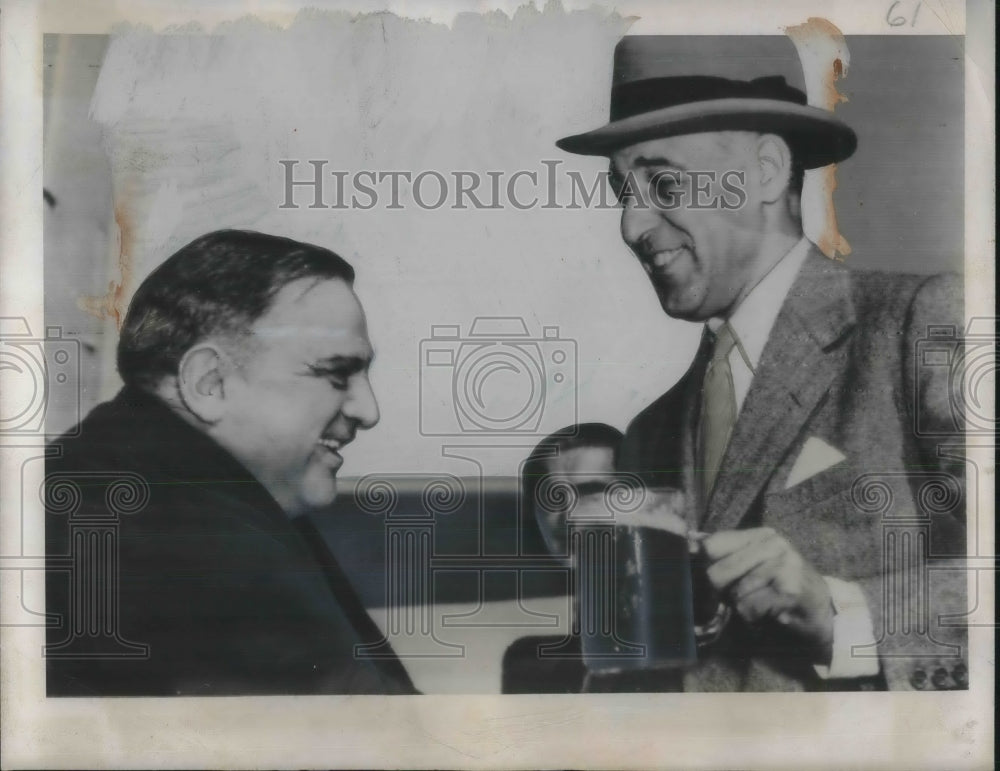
x,y
795,370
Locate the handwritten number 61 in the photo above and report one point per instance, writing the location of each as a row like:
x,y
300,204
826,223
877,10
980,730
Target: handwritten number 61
x,y
894,20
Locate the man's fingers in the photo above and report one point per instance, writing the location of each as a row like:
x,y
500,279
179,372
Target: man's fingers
x,y
756,606
725,542
735,565
759,594
759,578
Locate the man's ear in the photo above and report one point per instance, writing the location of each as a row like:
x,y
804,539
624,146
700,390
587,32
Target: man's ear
x,y
774,158
201,381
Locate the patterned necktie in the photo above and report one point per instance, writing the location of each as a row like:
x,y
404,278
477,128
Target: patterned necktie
x,y
718,407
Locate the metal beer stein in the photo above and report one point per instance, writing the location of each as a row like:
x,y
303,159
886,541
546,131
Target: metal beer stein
x,y
644,599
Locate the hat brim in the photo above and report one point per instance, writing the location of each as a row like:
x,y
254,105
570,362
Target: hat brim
x,y
814,135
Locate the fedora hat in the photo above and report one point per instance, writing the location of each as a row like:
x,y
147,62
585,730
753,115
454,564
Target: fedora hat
x,y
664,86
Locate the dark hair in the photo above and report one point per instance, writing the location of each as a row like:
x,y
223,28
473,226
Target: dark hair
x,y
219,284
535,468
797,177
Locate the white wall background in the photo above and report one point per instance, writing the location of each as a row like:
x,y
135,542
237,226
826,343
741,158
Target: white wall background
x,y
194,126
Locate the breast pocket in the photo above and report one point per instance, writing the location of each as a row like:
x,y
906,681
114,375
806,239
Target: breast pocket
x,y
821,520
819,487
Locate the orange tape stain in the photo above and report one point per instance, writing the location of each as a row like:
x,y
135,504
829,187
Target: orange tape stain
x,y
113,303
820,42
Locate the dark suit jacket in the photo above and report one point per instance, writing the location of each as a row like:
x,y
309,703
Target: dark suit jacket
x,y
841,364
171,570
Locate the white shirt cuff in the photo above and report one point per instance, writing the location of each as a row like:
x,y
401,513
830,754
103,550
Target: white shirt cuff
x,y
852,626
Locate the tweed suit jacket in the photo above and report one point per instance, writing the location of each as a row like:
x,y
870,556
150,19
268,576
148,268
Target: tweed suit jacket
x,y
841,365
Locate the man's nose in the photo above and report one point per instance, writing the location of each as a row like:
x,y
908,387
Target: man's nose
x,y
361,404
638,219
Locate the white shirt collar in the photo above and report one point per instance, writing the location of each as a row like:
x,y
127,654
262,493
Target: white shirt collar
x,y
753,318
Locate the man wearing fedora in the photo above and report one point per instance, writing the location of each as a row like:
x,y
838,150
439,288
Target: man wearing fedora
x,y
802,398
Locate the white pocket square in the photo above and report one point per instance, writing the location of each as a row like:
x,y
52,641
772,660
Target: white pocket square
x,y
816,456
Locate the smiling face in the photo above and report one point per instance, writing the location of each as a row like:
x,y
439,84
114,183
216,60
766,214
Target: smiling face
x,y
699,253
301,392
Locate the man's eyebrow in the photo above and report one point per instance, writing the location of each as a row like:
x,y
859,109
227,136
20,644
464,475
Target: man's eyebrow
x,y
657,162
618,175
337,361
